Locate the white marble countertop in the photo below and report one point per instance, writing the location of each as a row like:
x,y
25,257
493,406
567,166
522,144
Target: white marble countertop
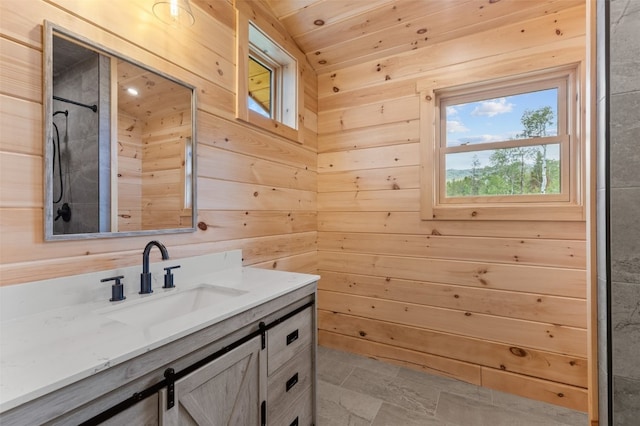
x,y
56,332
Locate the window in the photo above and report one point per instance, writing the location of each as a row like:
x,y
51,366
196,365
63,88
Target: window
x,y
504,149
269,93
272,80
188,173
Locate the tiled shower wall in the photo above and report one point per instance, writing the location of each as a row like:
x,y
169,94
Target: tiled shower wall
x,y
624,209
85,160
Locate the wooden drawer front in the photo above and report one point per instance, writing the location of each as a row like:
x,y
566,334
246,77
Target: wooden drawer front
x,y
299,414
289,338
288,383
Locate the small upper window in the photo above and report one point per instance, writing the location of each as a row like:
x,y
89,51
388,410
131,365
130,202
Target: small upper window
x,y
272,80
503,144
269,93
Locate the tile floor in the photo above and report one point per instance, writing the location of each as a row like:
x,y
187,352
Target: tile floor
x,y
358,391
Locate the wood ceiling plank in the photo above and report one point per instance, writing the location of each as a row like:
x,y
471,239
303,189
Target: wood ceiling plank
x,y
508,41
283,8
377,18
461,20
331,12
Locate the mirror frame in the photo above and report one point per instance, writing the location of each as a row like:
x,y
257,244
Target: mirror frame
x,y
49,30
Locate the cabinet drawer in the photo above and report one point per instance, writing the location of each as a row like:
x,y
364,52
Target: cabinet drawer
x,y
288,383
299,414
289,338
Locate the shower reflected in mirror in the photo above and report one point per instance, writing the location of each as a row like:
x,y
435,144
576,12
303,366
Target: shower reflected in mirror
x,y
80,83
63,212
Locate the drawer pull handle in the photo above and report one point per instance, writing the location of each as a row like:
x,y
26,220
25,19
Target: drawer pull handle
x,y
292,337
292,382
294,422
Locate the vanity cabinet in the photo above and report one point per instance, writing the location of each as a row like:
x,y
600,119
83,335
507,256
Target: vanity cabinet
x,y
226,391
290,371
254,368
144,413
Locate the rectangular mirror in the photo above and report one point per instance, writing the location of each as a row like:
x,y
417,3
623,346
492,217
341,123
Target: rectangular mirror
x,y
119,144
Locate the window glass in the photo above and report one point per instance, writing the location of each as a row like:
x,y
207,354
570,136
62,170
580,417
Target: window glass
x,y
524,115
260,88
188,173
502,142
505,171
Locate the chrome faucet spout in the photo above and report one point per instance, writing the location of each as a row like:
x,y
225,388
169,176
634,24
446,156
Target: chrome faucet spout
x,y
145,277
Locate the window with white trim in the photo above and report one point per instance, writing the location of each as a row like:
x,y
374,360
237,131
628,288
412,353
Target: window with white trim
x,y
503,146
269,85
272,79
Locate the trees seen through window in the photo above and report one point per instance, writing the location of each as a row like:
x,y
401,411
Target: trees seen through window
x,y
503,142
511,171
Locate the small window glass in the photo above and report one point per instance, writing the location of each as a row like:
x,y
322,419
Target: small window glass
x,y
260,88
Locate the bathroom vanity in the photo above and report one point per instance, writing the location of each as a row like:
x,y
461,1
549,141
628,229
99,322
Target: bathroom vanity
x,y
227,345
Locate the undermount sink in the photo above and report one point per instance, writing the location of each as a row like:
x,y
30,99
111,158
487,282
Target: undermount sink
x,y
171,305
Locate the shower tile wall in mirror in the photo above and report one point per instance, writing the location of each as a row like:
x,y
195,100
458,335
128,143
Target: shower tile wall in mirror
x,y
119,144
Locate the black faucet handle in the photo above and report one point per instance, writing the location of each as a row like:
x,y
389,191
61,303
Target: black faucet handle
x,y
168,277
117,289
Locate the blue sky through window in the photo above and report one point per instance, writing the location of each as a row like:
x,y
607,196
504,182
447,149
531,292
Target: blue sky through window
x,y
493,120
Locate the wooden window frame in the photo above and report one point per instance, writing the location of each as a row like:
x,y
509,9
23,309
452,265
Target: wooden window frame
x,y
567,205
286,59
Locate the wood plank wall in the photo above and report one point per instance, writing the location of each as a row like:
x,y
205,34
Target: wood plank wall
x,y
256,191
500,304
163,174
130,148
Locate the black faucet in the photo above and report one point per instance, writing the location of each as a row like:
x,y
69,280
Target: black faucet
x,y
145,276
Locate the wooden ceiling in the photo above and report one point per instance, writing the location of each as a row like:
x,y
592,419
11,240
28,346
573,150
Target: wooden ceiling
x,y
338,33
157,96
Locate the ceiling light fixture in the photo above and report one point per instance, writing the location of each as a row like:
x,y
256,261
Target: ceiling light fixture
x,y
176,13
